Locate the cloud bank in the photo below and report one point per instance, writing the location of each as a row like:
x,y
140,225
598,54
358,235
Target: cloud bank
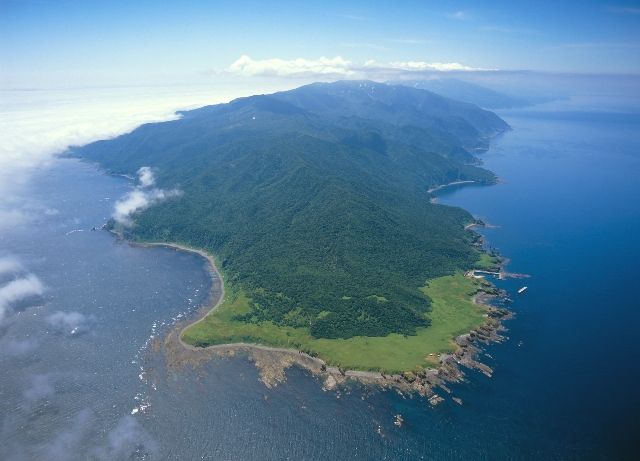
x,y
245,65
338,67
141,197
37,125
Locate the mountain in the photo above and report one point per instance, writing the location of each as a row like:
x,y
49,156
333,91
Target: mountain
x,y
397,105
315,200
469,92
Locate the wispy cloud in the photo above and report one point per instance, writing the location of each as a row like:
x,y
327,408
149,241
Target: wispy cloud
x,y
17,291
127,438
68,442
141,197
338,67
69,323
9,265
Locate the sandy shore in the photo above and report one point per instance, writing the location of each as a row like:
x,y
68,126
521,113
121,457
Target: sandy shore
x,y
216,276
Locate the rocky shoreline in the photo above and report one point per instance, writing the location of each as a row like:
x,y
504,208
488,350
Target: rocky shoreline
x,y
272,362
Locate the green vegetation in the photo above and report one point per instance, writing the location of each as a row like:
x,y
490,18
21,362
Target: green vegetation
x,y
488,262
315,203
452,313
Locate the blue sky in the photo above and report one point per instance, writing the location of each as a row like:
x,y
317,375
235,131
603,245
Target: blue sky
x,y
143,42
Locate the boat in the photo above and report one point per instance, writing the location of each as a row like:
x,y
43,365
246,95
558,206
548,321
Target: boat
x,y
522,290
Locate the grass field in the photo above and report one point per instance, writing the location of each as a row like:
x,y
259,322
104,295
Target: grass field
x,y
488,262
452,313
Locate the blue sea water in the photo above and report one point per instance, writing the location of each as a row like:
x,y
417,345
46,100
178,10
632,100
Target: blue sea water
x,y
567,212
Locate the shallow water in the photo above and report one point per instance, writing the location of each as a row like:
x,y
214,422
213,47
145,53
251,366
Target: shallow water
x,y
564,386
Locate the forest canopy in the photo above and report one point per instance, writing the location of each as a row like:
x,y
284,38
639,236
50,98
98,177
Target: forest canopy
x,y
315,200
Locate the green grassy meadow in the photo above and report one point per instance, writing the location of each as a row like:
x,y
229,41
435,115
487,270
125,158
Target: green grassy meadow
x,y
452,313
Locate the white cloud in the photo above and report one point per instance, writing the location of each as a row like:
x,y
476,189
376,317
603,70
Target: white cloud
x,y
18,290
71,323
300,67
141,197
338,67
11,217
145,176
128,437
9,265
422,66
432,66
127,440
37,125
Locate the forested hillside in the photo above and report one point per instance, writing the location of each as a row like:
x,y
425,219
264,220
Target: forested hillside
x,y
315,200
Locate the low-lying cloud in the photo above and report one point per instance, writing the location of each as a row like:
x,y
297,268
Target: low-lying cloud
x,y
141,197
338,67
127,440
17,291
9,265
37,125
69,323
146,177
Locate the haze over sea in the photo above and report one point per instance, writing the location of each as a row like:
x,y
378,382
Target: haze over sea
x,y
79,378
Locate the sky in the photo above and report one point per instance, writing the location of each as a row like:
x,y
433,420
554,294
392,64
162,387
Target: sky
x,y
66,43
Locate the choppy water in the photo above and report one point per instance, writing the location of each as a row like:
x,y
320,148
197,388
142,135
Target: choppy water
x,y
564,387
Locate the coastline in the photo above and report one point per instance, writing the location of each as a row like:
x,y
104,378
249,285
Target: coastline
x,y
272,362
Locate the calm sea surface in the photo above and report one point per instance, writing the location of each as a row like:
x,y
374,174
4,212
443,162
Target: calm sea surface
x,y
80,380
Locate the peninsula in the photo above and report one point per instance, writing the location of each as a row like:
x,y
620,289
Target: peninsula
x,y
316,205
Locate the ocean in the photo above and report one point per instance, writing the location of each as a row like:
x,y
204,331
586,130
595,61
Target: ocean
x,y
81,377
